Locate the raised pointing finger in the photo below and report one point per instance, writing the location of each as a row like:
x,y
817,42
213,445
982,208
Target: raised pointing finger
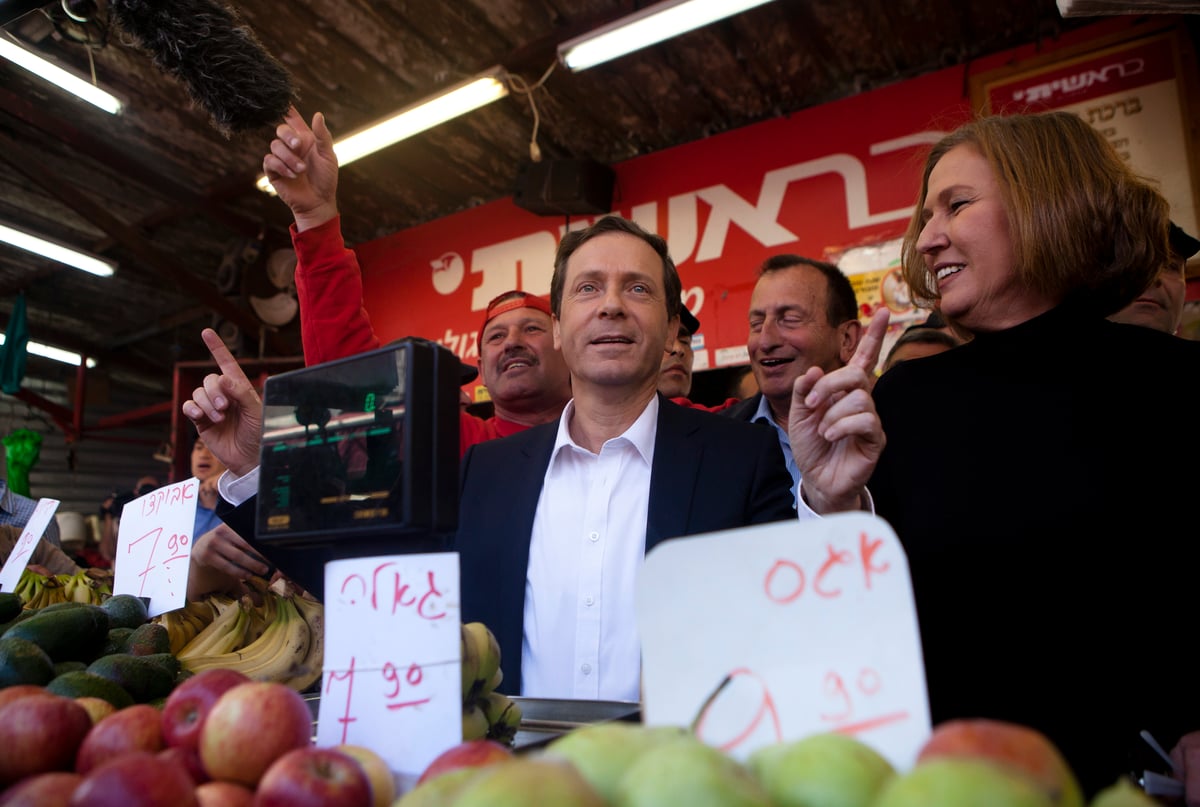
x,y
866,355
221,355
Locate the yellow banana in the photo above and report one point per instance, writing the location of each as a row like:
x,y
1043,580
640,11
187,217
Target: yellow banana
x,y
283,644
503,716
470,663
308,671
474,723
218,633
487,650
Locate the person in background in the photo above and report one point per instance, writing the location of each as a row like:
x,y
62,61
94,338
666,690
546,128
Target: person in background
x,y
1049,538
46,558
110,516
803,314
675,377
15,510
1160,306
744,384
220,557
585,497
917,342
518,362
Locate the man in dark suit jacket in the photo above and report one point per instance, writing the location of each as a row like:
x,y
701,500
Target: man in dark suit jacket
x,y
621,457
708,474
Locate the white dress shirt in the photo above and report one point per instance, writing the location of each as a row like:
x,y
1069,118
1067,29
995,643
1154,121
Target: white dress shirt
x,y
585,553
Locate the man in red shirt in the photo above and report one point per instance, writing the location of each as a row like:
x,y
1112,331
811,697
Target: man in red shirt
x,y
524,373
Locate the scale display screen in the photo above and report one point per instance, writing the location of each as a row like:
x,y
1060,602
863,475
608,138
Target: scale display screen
x,y
360,445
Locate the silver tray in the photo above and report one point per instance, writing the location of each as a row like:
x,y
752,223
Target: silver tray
x,y
543,719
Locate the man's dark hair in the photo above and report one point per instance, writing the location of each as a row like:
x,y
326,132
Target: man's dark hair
x,y
672,286
841,304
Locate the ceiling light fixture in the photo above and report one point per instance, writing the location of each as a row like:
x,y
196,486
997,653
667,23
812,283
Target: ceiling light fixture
x,y
452,102
646,27
55,251
56,353
56,75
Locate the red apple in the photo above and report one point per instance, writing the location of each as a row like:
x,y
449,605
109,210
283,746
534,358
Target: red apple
x,y
134,728
189,758
314,777
136,779
40,733
187,706
467,754
44,790
18,691
224,794
251,726
383,781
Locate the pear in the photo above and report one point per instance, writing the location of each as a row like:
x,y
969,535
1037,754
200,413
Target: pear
x,y
961,780
688,772
529,782
602,752
822,770
1123,794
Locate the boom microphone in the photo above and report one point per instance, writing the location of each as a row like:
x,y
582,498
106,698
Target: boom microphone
x,y
219,60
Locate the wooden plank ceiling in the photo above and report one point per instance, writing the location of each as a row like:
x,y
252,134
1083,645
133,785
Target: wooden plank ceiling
x,y
161,191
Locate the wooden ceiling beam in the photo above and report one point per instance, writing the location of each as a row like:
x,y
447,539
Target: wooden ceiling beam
x,y
26,163
77,140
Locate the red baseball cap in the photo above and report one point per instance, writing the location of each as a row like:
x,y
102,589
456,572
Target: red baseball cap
x,y
511,301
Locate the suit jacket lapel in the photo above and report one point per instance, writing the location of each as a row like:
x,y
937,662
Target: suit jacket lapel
x,y
673,475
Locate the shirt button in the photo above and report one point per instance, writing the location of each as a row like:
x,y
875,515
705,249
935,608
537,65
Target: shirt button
x,y
593,537
589,600
586,669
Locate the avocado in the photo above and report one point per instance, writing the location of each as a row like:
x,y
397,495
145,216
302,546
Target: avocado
x,y
143,677
81,683
10,606
147,639
68,666
125,610
69,634
23,662
167,662
117,642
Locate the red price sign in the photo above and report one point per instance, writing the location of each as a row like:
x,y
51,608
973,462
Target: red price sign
x,y
393,679
154,546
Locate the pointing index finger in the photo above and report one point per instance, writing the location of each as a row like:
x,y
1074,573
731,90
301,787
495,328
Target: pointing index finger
x,y
866,355
222,356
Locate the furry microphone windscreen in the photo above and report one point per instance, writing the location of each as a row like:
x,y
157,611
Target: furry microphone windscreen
x,y
220,61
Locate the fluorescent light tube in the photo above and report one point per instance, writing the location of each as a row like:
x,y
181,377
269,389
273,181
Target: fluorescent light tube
x,y
56,75
56,353
57,252
452,102
646,27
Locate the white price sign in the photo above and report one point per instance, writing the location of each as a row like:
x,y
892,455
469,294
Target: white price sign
x,y
154,546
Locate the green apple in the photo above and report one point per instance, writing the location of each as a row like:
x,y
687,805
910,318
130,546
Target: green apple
x,y
439,791
956,780
688,772
602,752
822,770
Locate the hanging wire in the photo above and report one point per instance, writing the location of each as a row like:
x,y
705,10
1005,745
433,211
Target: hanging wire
x,y
521,87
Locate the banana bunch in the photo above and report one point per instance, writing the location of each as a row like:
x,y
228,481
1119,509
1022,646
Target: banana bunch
x,y
38,590
281,640
185,624
486,713
79,587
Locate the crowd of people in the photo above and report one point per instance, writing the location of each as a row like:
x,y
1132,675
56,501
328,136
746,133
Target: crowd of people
x,y
1013,446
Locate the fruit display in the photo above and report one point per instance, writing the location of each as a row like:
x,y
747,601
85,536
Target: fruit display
x,y
37,591
487,714
279,638
982,763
